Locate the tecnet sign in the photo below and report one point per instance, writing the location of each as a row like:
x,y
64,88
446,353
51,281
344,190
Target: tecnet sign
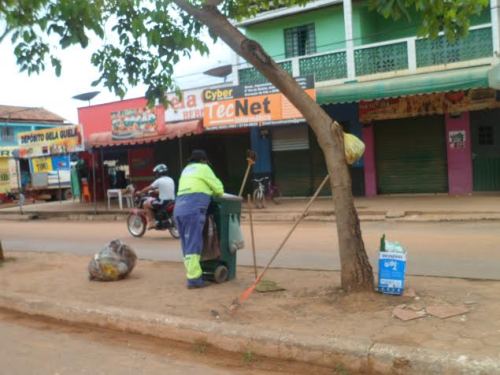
x,y
256,105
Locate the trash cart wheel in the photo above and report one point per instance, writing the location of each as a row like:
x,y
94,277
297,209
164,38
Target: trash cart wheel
x,y
221,274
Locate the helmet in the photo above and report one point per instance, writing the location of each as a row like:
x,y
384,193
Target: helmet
x,y
160,170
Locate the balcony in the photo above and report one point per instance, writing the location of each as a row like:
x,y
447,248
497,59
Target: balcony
x,y
402,56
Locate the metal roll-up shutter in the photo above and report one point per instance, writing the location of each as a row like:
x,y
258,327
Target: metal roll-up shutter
x,y
291,160
410,155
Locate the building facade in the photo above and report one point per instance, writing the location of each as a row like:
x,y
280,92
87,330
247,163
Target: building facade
x,y
423,107
15,120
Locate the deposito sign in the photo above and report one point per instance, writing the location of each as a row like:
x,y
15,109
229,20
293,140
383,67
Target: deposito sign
x,y
51,141
241,106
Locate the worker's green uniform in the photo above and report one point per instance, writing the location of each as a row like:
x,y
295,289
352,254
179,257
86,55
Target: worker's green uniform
x,y
196,185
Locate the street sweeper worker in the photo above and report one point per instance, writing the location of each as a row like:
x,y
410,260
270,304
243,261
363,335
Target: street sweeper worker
x,y
197,185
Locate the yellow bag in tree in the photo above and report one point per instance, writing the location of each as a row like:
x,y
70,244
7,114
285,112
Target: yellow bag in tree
x,y
353,147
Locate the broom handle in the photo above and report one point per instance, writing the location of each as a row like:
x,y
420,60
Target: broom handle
x,y
249,200
299,219
245,178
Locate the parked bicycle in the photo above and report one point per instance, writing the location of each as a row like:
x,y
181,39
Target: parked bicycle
x,y
265,190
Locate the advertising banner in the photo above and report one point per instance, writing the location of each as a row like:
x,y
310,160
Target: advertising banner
x,y
184,107
427,104
134,123
51,141
4,175
256,105
41,165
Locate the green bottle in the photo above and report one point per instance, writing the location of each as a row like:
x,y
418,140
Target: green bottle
x,y
382,243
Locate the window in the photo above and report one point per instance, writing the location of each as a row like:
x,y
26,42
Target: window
x,y
6,134
300,40
486,136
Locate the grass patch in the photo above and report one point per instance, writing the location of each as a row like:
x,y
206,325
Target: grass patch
x,y
341,370
200,346
7,260
248,357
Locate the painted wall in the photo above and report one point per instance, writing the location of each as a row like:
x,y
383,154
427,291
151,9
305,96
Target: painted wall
x,y
329,29
261,144
459,158
97,118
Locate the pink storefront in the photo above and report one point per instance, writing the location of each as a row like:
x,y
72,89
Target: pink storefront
x,y
431,143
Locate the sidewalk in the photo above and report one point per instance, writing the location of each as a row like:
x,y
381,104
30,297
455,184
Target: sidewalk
x,y
399,208
311,321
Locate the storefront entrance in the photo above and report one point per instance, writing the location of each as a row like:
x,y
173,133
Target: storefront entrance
x,y
485,130
410,155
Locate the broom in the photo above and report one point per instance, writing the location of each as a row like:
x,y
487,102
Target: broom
x,y
246,294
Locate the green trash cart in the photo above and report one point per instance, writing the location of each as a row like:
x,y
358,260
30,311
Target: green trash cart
x,y
224,209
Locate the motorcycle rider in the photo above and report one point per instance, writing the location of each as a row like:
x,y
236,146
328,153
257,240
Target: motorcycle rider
x,y
166,188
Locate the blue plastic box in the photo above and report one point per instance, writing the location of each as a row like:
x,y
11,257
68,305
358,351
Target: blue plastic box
x,y
391,272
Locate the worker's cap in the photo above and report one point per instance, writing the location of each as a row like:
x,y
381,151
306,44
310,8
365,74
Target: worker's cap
x,y
198,155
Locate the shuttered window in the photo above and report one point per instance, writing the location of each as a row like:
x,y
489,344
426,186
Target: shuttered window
x,y
411,155
287,139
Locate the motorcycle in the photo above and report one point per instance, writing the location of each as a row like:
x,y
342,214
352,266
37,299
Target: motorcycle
x,y
137,220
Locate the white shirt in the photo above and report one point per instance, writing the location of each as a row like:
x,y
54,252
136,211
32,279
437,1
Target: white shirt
x,y
166,188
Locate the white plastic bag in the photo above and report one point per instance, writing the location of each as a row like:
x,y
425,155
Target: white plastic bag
x,y
236,241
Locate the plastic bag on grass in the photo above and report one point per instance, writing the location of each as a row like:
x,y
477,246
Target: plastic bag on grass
x,y
353,147
114,262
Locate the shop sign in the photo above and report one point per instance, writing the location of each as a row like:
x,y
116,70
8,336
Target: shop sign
x,y
456,139
184,106
134,123
427,104
41,165
256,105
51,141
6,152
4,175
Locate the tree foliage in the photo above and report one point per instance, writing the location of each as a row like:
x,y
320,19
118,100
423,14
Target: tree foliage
x,y
142,40
449,16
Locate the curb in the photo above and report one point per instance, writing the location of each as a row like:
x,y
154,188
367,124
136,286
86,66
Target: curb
x,y
271,217
354,354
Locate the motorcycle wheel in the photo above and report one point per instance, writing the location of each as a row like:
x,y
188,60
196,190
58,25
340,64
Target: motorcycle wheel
x,y
136,225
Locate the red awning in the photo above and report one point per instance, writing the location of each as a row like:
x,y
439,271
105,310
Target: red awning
x,y
170,131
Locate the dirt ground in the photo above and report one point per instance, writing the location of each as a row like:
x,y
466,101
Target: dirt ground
x,y
312,303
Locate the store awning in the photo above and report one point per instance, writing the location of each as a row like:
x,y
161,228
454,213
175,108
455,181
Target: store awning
x,y
453,80
170,131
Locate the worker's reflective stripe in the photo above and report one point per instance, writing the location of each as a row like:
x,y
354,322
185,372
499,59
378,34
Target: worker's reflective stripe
x,y
193,267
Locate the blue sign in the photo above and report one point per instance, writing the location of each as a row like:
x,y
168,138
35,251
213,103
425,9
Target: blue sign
x,y
391,272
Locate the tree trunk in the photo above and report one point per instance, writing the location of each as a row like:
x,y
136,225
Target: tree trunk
x,y
2,258
357,274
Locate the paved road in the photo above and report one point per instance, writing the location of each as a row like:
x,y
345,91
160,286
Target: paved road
x,y
42,348
440,249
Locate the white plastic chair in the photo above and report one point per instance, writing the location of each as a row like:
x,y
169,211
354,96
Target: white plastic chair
x,y
115,193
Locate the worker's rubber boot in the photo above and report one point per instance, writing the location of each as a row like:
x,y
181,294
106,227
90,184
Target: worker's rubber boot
x,y
196,283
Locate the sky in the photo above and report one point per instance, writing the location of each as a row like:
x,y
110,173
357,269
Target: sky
x,y
55,93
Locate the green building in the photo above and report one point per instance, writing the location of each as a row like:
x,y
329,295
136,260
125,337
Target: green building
x,y
423,107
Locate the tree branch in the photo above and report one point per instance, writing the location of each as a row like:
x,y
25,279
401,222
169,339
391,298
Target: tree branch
x,y
213,3
5,33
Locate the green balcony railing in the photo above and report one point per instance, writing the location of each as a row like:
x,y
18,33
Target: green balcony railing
x,y
381,59
407,54
476,45
251,76
324,67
